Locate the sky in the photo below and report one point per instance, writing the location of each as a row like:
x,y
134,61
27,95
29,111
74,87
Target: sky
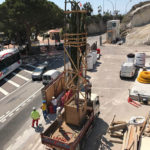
x,y
122,5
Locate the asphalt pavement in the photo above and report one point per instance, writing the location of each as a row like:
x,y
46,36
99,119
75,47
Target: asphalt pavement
x,y
18,94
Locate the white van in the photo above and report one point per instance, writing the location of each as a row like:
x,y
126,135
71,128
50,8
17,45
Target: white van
x,y
128,70
49,76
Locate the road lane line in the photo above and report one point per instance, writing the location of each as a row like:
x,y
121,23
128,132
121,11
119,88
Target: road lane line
x,y
2,116
17,109
25,70
7,112
11,82
20,104
31,66
15,90
3,120
3,91
10,114
20,76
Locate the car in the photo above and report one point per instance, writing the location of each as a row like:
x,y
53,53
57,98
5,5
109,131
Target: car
x,y
49,76
38,72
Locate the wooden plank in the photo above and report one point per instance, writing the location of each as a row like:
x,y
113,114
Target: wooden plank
x,y
124,140
118,122
131,137
118,127
128,135
135,141
144,124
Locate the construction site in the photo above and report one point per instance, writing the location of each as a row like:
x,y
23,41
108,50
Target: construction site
x,y
100,99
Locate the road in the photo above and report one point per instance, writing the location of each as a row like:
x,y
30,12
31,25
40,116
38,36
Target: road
x,y
18,94
106,83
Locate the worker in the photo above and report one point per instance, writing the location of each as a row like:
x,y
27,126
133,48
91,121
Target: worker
x,y
88,89
54,102
59,116
44,109
98,52
35,116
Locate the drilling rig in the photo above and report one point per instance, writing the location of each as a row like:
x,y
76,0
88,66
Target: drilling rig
x,y
79,111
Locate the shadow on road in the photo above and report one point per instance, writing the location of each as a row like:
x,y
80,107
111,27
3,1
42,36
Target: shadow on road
x,y
39,129
95,67
96,140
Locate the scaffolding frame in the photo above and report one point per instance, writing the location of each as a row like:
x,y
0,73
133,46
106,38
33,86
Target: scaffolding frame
x,y
75,73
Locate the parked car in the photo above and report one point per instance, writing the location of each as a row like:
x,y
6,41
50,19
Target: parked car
x,y
49,76
38,72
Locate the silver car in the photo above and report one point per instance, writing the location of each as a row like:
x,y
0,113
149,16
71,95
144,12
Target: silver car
x,y
38,72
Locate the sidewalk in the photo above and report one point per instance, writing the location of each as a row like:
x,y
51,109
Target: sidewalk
x,y
29,138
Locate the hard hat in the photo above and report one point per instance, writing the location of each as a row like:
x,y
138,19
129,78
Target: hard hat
x,y
34,108
53,97
43,101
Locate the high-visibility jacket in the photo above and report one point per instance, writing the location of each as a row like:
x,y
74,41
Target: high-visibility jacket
x,y
43,107
35,115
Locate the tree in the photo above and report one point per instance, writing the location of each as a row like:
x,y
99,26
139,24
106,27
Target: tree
x,y
99,10
30,16
87,6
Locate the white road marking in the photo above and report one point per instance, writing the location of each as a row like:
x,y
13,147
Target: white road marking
x,y
11,82
3,91
3,120
2,116
7,112
31,66
10,115
12,112
29,100
17,109
20,76
23,104
14,91
25,70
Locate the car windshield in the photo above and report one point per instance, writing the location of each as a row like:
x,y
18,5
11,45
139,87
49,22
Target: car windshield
x,y
38,70
47,78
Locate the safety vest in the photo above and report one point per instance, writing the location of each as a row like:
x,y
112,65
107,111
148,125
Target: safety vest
x,y
43,107
35,115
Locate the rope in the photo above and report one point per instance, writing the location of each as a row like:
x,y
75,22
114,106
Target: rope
x,y
144,77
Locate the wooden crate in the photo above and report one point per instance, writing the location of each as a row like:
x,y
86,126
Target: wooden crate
x,y
74,115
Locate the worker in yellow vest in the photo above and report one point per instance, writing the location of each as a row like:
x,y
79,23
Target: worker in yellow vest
x,y
35,116
44,109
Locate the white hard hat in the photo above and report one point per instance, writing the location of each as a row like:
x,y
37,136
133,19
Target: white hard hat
x,y
34,108
53,97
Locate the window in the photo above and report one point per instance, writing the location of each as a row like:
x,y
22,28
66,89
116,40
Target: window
x,y
9,61
114,24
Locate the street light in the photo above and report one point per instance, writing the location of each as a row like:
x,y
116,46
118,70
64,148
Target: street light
x,y
112,5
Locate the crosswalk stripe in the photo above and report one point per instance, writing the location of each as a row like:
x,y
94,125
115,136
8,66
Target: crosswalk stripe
x,y
3,91
25,70
20,76
11,82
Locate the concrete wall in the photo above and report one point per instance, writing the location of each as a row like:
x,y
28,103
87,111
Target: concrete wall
x,y
95,28
140,16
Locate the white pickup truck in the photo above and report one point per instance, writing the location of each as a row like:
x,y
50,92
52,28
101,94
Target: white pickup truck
x,y
140,91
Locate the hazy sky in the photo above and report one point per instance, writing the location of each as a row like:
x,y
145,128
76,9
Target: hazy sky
x,y
121,5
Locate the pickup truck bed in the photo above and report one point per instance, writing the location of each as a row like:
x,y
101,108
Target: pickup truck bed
x,y
66,136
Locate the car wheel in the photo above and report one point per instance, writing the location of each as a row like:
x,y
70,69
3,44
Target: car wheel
x,y
33,79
